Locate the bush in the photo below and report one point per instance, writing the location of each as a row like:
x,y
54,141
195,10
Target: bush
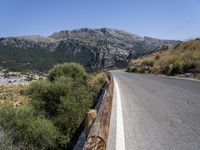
x,y
141,69
147,63
28,131
63,98
6,140
73,70
56,109
98,81
46,95
38,132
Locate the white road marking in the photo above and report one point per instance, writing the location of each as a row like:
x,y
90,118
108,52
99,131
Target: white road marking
x,y
120,141
174,77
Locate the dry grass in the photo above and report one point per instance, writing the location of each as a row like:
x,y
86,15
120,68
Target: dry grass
x,y
182,58
97,81
10,95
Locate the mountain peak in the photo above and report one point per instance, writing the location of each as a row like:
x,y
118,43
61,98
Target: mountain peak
x,y
99,34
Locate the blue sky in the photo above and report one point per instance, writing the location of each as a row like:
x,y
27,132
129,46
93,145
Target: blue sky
x,y
154,18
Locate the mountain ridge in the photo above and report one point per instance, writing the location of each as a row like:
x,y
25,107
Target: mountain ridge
x,y
104,47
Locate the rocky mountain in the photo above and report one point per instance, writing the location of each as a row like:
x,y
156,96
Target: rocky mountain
x,y
94,48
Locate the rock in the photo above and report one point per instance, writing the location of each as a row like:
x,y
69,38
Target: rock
x,y
17,104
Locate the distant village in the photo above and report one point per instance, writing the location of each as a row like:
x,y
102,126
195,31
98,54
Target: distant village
x,y
12,78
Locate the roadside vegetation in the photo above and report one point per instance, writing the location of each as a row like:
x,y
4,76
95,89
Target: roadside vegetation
x,y
183,58
97,81
56,109
10,95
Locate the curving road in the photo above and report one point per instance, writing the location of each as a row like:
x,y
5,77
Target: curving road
x,y
154,113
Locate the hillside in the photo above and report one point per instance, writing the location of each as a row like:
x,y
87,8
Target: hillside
x,y
94,48
182,59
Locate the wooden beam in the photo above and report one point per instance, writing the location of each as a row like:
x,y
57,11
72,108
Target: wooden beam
x,y
98,135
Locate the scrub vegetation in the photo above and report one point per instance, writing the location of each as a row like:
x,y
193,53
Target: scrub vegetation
x,y
11,95
56,109
180,59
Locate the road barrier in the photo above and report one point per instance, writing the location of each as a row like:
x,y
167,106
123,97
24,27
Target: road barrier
x,y
98,134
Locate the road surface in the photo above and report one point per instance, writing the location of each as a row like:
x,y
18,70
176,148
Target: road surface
x,y
154,113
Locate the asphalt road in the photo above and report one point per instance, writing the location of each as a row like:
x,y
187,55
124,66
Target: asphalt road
x,y
158,113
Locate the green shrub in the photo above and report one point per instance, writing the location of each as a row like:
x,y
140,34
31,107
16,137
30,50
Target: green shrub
x,y
45,95
73,70
55,111
64,98
28,131
38,132
6,141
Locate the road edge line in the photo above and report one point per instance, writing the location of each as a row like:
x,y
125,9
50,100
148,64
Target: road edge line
x,y
120,138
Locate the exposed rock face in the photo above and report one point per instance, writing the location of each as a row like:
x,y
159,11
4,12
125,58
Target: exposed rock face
x,y
26,42
94,48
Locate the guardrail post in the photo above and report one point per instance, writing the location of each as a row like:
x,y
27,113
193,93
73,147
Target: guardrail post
x,y
91,115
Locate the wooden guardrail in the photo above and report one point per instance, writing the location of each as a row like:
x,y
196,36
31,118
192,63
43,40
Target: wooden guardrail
x,y
98,135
